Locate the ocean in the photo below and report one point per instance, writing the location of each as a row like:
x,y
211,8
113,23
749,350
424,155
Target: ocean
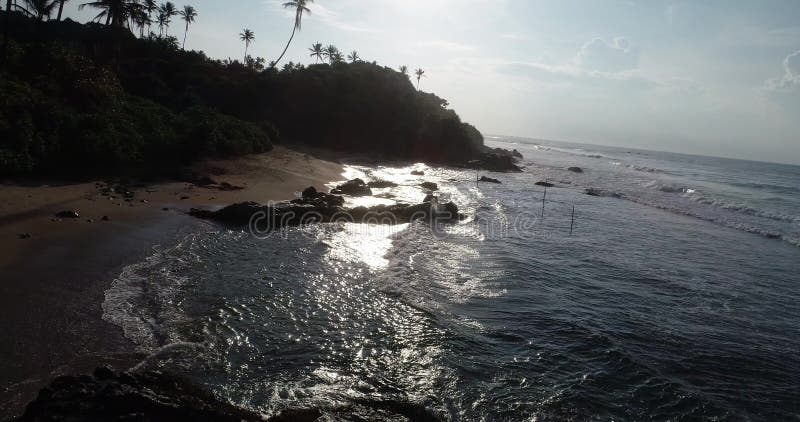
x,y
669,293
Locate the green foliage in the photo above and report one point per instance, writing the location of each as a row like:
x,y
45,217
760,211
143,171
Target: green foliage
x,y
77,98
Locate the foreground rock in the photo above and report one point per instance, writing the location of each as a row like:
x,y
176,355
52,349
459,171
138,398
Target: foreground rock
x,y
355,187
575,169
497,160
319,207
488,179
110,396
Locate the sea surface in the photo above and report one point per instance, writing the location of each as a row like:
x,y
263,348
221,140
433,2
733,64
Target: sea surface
x,y
670,293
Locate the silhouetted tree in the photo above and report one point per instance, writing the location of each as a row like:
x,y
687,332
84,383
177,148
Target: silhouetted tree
x,y
247,36
188,14
404,70
40,9
353,56
140,19
150,7
300,7
317,51
163,21
60,8
169,10
420,73
115,12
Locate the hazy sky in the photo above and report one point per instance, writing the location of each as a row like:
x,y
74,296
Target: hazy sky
x,y
709,77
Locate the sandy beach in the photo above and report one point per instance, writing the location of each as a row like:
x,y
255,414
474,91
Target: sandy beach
x,y
54,271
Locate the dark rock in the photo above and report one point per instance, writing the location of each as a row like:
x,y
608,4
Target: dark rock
x,y
429,198
575,169
380,184
184,197
225,186
68,214
24,236
545,184
146,396
355,187
105,218
164,209
310,192
488,180
494,161
144,201
90,220
516,153
417,172
429,186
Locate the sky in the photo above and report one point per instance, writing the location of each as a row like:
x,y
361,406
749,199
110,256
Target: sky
x,y
709,77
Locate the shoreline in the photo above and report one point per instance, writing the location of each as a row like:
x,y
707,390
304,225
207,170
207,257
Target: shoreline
x,y
55,277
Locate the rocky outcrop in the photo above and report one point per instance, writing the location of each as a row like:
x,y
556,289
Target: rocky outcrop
x,y
355,187
429,186
321,207
497,160
488,180
110,396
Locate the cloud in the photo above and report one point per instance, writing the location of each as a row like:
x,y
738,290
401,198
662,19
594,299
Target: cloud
x,y
326,16
790,80
602,56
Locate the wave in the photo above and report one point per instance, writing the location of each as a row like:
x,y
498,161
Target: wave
x,y
644,168
700,198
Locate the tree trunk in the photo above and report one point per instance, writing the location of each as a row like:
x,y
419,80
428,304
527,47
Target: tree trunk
x,y
60,9
5,31
183,47
246,44
275,63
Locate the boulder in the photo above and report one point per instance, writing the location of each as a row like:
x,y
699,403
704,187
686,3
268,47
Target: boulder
x,y
575,169
309,192
429,186
516,153
488,180
380,184
501,162
417,172
68,214
355,187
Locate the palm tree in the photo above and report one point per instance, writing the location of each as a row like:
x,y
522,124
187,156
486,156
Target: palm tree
x,y
331,52
163,21
40,9
300,7
150,7
247,36
188,14
60,8
115,12
168,10
140,19
353,57
404,70
420,73
317,51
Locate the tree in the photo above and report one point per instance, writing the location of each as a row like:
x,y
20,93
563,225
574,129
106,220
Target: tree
x,y
188,14
404,70
247,36
40,9
420,73
150,7
300,7
163,21
353,56
317,51
115,12
331,53
140,19
60,8
169,10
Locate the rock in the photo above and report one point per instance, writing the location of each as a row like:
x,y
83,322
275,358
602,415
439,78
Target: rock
x,y
141,396
164,209
488,180
144,201
380,184
105,218
89,220
309,192
545,184
68,214
417,172
575,169
429,198
321,199
225,186
184,197
24,236
429,186
355,187
516,153
495,161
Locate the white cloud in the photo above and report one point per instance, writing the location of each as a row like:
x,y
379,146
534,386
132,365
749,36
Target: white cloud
x,y
447,45
791,75
602,56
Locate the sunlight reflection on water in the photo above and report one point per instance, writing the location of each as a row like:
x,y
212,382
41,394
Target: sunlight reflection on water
x,y
364,243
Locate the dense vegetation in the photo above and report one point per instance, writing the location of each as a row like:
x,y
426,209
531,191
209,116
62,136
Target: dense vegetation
x,y
78,98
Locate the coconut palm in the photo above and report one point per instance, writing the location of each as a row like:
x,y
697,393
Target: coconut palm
x,y
115,12
188,14
353,56
40,9
420,73
60,8
330,52
300,7
169,10
150,7
140,19
163,21
404,70
317,51
247,36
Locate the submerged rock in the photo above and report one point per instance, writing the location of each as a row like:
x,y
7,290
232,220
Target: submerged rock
x,y
68,214
355,187
575,169
488,180
380,184
149,396
417,173
545,184
429,186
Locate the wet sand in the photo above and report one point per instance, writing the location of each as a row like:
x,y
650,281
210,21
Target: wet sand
x,y
53,272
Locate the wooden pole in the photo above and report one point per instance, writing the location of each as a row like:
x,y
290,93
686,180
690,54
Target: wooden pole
x,y
572,221
544,197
